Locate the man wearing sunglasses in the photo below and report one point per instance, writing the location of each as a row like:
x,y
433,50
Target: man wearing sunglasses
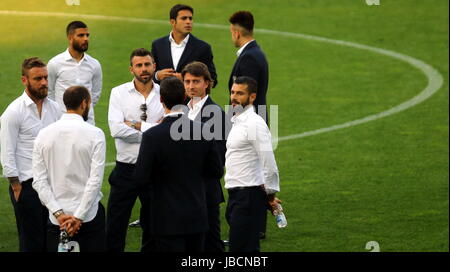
x,y
134,107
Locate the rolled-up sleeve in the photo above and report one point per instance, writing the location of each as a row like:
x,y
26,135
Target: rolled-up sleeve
x,y
263,147
9,132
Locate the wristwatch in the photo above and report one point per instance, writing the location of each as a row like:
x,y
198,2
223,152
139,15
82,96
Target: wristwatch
x,y
133,124
58,213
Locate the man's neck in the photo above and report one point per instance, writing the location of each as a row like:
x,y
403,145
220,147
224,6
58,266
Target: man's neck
x,y
75,54
196,99
178,37
144,89
79,112
38,102
244,41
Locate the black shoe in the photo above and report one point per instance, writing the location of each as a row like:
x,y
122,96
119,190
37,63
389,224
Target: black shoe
x,y
262,235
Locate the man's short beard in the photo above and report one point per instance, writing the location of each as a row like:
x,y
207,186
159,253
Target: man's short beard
x,y
86,114
78,48
144,81
35,92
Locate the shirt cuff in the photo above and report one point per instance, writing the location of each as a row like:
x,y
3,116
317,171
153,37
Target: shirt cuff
x,y
156,76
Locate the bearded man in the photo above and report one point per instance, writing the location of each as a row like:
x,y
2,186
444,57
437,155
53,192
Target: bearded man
x,y
74,67
20,125
134,107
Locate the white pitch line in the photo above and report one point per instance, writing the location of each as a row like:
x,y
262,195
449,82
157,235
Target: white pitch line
x,y
435,79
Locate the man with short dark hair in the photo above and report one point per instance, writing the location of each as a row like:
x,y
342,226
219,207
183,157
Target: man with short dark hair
x,y
197,83
21,122
253,182
75,67
251,62
68,166
134,107
173,167
180,47
251,59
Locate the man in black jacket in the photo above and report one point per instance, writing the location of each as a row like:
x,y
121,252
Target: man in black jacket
x,y
180,47
251,60
172,168
197,83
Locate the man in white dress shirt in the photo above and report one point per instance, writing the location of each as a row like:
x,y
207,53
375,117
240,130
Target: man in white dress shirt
x,y
134,107
68,165
253,182
21,123
75,67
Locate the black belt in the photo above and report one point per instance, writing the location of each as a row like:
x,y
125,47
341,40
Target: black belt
x,y
125,164
235,189
27,181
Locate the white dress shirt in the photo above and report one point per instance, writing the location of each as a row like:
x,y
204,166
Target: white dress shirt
x,y
68,165
64,71
194,111
239,52
177,49
249,159
20,124
124,105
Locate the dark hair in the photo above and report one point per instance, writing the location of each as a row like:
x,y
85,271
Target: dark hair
x,y
172,92
140,52
74,96
252,86
245,20
29,63
175,9
74,25
198,69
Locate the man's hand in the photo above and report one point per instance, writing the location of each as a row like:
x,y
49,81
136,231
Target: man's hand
x,y
71,224
168,72
179,76
273,202
136,125
16,186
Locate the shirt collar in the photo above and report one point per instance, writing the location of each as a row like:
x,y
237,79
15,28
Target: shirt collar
x,y
72,116
173,113
243,115
199,104
183,42
68,56
29,101
239,52
131,88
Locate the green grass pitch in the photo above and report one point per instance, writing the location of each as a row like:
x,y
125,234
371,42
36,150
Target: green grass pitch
x,y
383,181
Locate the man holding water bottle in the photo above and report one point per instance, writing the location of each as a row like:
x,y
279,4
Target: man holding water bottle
x,y
252,183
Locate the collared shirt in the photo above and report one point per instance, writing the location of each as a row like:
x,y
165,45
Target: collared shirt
x,y
239,52
194,111
173,113
20,124
68,166
125,105
249,159
177,49
64,71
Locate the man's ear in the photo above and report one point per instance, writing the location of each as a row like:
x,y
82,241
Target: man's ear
x,y
252,97
24,80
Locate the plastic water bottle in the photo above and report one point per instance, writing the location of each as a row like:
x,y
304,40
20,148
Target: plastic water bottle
x,y
280,217
63,245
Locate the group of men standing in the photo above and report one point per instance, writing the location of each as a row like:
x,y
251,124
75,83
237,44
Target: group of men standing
x,y
55,160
